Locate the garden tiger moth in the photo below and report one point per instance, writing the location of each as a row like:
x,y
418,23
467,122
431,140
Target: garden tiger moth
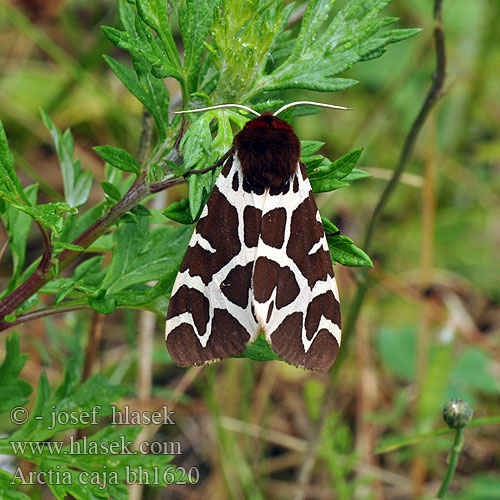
x,y
258,259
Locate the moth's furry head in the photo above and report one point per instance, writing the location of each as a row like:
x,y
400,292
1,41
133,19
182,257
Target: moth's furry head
x,y
268,150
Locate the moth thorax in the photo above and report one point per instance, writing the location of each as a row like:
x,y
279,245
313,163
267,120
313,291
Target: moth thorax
x,y
268,150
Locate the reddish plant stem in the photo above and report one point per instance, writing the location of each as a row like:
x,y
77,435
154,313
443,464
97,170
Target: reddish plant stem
x,y
40,313
4,247
45,271
47,248
93,344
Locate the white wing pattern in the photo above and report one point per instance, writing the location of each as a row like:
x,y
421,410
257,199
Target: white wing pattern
x,y
258,260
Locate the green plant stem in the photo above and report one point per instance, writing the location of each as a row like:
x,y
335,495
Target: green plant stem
x,y
458,443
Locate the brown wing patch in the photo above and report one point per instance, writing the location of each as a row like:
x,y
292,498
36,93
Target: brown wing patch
x,y
227,167
220,230
228,339
288,288
324,305
265,277
236,287
273,227
288,345
252,221
236,181
190,300
306,232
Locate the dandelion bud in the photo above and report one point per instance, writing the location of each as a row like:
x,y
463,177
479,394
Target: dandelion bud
x,y
457,413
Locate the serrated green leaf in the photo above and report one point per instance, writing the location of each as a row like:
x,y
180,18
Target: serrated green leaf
x,y
143,47
308,148
328,176
316,14
10,184
129,239
318,80
179,211
156,55
345,252
18,225
199,187
327,47
196,145
127,15
325,185
102,304
157,97
356,174
154,13
338,169
150,91
141,211
140,260
122,39
197,151
119,158
14,390
50,215
328,226
342,248
260,350
77,184
282,43
195,20
128,78
111,191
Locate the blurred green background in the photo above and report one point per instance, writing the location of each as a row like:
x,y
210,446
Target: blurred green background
x,y
430,327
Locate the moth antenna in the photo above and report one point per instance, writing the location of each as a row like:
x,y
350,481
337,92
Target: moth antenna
x,y
312,103
218,106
